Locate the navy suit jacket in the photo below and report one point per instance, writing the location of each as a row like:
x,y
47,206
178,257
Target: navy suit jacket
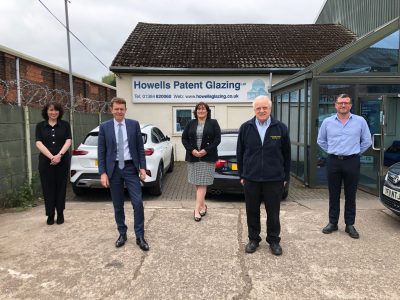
x,y
107,148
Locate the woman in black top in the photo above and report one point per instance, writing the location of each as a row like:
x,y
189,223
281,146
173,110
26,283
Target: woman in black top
x,y
53,139
200,138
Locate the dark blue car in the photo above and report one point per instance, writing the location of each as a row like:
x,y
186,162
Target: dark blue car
x,y
390,196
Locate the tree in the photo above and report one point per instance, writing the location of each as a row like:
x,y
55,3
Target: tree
x,y
109,79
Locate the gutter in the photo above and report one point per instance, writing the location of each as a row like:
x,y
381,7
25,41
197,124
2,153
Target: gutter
x,y
159,70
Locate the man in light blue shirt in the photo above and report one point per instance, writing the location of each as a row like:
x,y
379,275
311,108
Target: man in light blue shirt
x,y
344,136
262,128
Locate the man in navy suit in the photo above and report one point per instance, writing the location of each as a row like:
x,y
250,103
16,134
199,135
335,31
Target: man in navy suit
x,y
122,161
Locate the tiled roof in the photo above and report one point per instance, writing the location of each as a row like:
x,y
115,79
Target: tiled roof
x,y
233,46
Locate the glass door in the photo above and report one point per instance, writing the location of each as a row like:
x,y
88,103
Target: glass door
x,y
371,108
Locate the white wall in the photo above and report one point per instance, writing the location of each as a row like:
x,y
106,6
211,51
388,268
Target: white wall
x,y
228,115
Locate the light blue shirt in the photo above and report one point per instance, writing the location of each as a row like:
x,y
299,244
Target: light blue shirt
x,y
262,128
127,154
350,138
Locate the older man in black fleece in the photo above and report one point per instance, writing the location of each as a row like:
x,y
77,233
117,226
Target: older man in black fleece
x,y
263,156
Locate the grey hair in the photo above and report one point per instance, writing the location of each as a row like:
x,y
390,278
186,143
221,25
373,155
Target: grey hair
x,y
262,97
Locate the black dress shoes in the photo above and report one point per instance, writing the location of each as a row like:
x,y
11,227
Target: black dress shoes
x,y
121,240
50,220
329,228
60,218
142,244
352,231
252,246
276,249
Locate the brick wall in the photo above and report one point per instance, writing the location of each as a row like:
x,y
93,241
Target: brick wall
x,y
51,78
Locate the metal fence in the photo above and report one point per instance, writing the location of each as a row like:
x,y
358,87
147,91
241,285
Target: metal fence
x,y
19,115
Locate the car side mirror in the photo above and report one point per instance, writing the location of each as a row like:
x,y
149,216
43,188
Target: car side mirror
x,y
167,138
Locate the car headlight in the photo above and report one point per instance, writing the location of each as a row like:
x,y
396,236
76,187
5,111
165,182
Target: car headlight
x,y
386,176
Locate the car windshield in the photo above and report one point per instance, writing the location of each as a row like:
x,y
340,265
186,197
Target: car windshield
x,y
92,139
228,142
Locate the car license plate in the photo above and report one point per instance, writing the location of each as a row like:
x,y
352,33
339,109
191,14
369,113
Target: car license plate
x,y
96,163
234,167
391,193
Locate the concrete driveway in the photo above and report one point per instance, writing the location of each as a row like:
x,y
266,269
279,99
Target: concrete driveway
x,y
205,260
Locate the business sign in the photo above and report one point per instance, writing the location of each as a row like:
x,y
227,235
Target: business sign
x,y
222,89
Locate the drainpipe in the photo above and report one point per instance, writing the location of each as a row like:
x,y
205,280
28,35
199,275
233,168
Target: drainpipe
x,y
28,143
18,82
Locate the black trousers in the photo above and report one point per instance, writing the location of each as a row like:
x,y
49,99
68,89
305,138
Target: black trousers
x,y
271,194
54,184
348,172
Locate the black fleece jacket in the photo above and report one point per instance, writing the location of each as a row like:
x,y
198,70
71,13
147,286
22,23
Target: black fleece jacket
x,y
269,161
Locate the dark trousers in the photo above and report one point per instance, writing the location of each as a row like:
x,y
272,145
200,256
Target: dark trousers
x,y
54,184
348,172
129,177
271,194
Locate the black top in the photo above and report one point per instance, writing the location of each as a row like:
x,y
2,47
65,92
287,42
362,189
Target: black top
x,y
53,137
267,161
210,141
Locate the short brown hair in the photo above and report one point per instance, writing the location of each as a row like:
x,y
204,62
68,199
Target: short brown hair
x,y
344,96
205,106
117,100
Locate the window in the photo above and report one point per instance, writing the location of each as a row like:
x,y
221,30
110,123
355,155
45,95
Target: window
x,y
182,116
91,139
157,136
382,56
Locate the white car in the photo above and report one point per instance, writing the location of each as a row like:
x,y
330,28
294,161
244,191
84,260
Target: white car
x,y
84,173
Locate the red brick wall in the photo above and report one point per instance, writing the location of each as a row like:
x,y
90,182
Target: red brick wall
x,y
52,79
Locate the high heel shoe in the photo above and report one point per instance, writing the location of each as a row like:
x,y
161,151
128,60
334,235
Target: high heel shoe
x,y
197,219
203,213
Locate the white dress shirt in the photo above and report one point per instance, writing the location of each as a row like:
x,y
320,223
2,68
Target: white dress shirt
x,y
127,154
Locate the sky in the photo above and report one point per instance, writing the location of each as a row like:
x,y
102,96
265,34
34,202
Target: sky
x,y
104,25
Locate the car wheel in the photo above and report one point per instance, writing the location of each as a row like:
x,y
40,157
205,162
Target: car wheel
x,y
157,189
171,164
78,191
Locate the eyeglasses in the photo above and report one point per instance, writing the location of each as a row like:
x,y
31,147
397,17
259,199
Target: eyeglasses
x,y
258,109
343,103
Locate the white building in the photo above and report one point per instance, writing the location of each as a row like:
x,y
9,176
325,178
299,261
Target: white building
x,y
164,70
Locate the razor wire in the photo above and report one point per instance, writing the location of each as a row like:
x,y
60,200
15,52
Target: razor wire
x,y
35,95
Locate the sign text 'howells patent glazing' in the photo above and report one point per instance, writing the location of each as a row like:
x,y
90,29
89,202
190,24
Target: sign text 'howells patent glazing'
x,y
198,88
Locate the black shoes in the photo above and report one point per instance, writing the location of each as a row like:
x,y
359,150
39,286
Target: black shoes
x,y
329,228
142,244
252,246
140,241
349,229
276,249
60,218
203,213
121,240
50,220
352,231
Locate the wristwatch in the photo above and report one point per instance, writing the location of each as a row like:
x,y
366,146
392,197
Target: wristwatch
x,y
61,154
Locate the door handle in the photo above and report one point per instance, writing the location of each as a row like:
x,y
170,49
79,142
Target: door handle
x,y
373,141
